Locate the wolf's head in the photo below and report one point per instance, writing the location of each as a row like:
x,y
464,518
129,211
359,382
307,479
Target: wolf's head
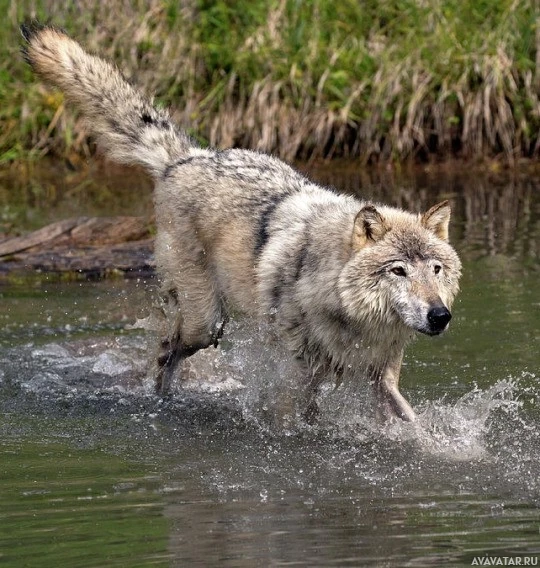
x,y
401,269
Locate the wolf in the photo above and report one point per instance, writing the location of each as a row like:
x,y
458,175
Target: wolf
x,y
347,283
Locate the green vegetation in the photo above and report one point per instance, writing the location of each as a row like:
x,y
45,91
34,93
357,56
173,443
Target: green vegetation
x,y
380,79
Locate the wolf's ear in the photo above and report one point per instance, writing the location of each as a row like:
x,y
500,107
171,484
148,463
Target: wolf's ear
x,y
437,220
369,227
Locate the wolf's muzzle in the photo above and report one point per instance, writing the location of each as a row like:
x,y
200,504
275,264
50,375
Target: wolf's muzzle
x,y
438,319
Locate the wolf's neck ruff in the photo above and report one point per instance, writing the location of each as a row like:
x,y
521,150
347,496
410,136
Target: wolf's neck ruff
x,y
347,282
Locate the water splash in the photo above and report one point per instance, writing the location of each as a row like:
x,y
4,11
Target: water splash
x,y
253,377
458,430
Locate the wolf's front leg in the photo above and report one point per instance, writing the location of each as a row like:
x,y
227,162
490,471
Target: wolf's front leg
x,y
390,401
310,383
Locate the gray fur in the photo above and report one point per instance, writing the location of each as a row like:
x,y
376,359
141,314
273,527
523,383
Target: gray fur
x,y
347,282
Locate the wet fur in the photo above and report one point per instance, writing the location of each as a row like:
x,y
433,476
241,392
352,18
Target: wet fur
x,y
241,229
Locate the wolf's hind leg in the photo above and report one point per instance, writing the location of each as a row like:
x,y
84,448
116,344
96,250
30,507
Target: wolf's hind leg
x,y
168,357
195,320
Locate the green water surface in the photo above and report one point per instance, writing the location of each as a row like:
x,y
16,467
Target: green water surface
x,y
97,471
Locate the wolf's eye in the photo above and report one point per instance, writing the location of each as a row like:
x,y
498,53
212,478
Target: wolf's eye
x,y
398,271
437,268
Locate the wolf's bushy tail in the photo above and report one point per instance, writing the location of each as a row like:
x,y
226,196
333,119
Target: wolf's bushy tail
x,y
127,125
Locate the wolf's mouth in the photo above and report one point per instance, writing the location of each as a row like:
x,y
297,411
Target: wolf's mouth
x,y
432,332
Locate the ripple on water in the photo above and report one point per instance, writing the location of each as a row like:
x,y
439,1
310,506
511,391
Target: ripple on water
x,y
465,472
494,426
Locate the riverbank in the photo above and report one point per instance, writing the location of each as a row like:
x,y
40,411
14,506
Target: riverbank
x,y
382,80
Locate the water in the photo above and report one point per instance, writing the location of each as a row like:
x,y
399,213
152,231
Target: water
x,y
97,471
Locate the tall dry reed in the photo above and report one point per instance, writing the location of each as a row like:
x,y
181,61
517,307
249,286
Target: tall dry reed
x,y
380,79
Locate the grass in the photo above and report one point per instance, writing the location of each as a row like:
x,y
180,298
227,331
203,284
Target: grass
x,y
378,79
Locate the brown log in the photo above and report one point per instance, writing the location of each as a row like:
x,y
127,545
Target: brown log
x,y
40,237
92,246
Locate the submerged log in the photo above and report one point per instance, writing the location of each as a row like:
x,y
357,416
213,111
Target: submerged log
x,y
91,246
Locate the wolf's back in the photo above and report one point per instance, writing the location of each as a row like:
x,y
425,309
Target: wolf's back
x,y
126,124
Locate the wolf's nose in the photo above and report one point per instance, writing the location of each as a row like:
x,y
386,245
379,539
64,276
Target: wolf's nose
x,y
438,318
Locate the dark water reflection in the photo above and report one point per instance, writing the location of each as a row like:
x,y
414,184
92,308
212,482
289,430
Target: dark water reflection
x,y
494,214
97,471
